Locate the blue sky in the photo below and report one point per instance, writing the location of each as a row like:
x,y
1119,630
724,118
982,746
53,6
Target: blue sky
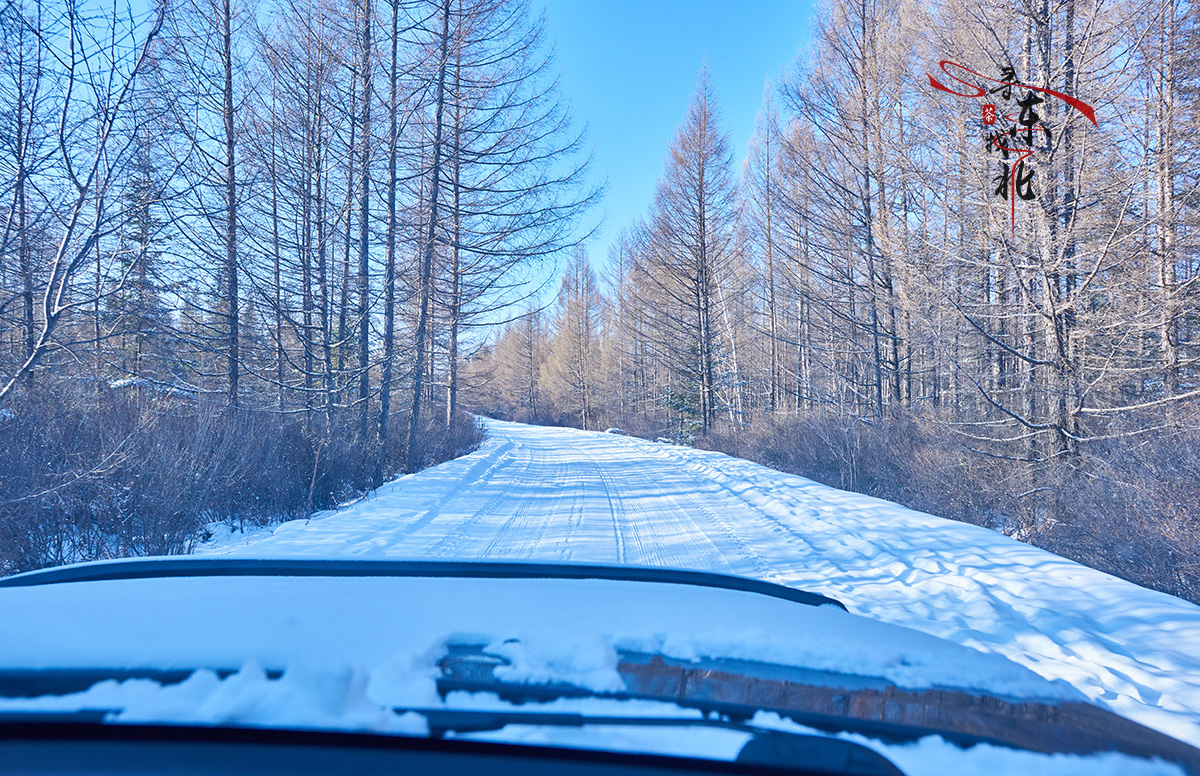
x,y
629,69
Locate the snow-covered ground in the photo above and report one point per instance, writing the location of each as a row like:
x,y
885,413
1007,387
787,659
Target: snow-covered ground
x,y
547,493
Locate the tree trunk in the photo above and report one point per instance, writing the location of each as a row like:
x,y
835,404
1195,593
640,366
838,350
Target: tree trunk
x,y
231,270
389,280
364,193
426,271
1165,176
455,302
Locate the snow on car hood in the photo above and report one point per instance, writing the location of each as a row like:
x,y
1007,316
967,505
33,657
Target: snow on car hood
x,y
557,629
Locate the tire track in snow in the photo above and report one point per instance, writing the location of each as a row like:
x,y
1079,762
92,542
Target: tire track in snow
x,y
474,474
671,538
451,544
616,512
524,527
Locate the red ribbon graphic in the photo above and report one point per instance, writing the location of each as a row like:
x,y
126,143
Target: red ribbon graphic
x,y
1078,105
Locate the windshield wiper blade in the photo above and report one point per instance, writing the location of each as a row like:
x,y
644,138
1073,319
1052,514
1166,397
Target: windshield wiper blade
x,y
766,747
734,713
442,721
77,716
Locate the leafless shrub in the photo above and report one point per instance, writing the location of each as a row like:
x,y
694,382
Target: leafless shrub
x,y
91,471
1127,507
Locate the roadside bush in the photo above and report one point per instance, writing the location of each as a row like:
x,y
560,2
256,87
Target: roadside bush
x,y
1127,507
91,471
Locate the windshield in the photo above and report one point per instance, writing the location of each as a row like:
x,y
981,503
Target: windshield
x,y
408,342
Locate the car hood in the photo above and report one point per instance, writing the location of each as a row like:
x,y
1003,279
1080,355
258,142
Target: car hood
x,y
345,645
567,629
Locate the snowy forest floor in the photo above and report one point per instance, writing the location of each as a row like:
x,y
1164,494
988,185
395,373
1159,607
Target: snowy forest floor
x,y
534,492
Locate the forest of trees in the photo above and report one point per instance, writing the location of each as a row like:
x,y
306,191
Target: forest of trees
x,y
864,304
255,260
244,251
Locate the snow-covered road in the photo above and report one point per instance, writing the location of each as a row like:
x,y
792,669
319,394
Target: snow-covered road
x,y
560,494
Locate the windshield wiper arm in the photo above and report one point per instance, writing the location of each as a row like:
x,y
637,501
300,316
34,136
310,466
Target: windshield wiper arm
x,y
733,713
442,721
